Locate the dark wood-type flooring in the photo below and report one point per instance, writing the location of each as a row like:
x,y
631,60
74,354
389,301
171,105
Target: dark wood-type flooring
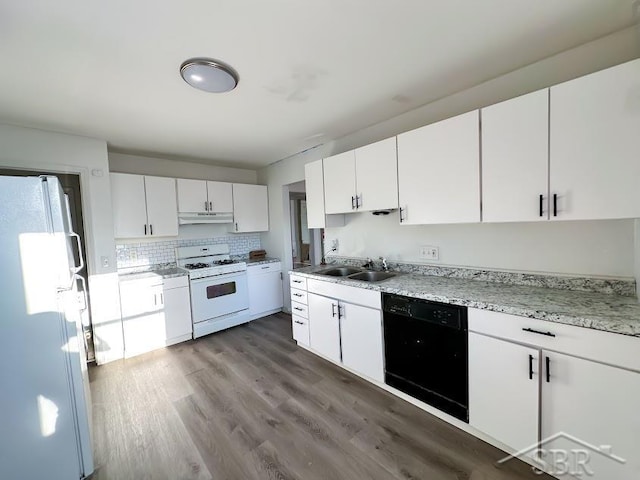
x,y
247,403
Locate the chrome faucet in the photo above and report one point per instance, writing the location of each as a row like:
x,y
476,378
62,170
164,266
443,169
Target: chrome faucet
x,y
385,267
369,264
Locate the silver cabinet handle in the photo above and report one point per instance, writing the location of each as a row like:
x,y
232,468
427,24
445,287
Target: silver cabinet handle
x,y
265,268
333,309
155,299
150,229
211,206
145,228
358,201
340,314
298,322
297,294
206,206
161,299
297,281
298,308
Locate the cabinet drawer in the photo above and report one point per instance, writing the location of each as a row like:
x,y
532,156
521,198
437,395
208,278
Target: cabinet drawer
x,y
347,293
295,281
299,309
611,348
264,268
176,282
300,327
299,296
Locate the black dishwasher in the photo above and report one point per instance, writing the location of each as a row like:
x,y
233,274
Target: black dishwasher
x,y
426,352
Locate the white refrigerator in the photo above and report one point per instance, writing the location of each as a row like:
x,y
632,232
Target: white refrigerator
x,y
44,388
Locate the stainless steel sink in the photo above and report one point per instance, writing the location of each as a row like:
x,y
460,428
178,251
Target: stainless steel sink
x,y
340,271
372,276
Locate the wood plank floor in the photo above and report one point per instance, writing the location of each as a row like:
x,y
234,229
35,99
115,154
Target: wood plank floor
x,y
247,403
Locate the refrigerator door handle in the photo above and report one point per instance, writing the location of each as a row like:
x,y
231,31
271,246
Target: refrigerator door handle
x,y
77,268
85,304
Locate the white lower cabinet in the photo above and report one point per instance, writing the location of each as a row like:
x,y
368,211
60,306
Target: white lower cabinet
x,y
324,326
596,406
265,289
361,340
155,314
503,390
583,413
344,332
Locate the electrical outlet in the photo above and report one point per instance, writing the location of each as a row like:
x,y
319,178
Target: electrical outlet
x,y
429,252
105,262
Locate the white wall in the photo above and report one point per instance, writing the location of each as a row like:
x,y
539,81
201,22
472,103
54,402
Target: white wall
x,y
597,248
25,148
602,53
163,167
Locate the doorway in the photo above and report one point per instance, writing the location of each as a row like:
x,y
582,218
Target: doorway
x,y
71,187
306,245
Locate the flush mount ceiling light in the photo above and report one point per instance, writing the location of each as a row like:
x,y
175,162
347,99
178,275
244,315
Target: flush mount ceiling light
x,y
209,75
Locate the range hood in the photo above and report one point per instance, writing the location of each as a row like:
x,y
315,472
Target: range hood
x,y
188,218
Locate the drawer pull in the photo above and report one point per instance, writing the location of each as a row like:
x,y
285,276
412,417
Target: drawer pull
x,y
264,268
297,281
298,322
298,308
547,334
297,294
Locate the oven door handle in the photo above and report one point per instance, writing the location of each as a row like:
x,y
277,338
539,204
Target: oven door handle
x,y
218,278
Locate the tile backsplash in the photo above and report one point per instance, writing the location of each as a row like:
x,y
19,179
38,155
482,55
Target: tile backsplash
x,y
154,253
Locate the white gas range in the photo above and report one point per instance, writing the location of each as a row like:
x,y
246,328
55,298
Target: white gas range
x,y
219,291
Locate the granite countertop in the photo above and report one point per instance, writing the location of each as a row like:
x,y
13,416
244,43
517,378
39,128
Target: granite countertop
x,y
600,311
161,271
259,261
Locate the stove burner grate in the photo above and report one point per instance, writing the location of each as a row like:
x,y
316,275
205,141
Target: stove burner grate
x,y
195,266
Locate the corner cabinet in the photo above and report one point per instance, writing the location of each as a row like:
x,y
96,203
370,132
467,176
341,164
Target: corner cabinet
x,y
265,289
362,180
250,208
567,387
143,206
594,128
439,172
314,185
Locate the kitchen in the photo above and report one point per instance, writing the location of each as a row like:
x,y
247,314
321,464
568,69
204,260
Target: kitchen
x,y
601,246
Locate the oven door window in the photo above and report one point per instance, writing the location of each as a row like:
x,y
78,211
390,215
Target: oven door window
x,y
220,290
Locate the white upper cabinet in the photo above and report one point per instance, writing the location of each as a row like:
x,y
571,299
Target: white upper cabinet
x,y
192,196
202,196
143,206
595,127
220,196
314,186
340,183
515,159
363,179
250,208
377,176
439,172
162,209
129,205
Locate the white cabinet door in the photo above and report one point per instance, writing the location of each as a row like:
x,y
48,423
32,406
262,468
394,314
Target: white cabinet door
x,y
595,125
220,197
377,176
340,183
515,158
192,195
361,340
503,392
324,326
596,404
143,322
177,313
129,205
439,172
162,209
265,291
250,208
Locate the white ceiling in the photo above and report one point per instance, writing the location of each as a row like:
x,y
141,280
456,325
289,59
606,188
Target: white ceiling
x,y
310,70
